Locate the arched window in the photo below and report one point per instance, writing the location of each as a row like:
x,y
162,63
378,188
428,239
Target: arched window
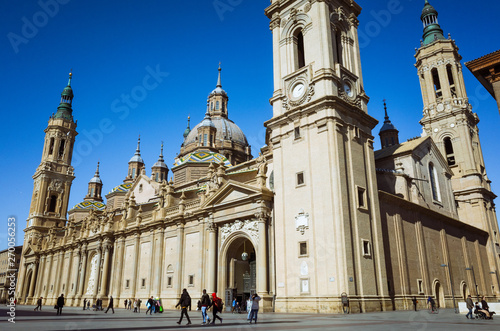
x,y
300,56
338,46
437,83
217,105
52,203
92,192
133,173
450,155
451,81
436,195
61,148
156,177
51,146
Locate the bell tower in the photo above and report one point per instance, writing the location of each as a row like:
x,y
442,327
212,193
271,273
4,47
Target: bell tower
x,y
54,175
326,203
448,118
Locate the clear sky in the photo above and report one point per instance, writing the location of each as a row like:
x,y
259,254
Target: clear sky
x,y
113,45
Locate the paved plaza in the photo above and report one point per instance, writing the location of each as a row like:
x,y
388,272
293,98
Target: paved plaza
x,y
74,318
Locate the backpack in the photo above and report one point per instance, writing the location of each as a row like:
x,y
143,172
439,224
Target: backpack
x,y
220,304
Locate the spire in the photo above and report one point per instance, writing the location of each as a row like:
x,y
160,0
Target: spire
x,y
432,30
161,162
64,110
188,129
97,177
219,80
137,156
389,135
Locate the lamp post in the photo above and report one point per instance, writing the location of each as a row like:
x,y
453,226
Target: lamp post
x,y
474,277
451,285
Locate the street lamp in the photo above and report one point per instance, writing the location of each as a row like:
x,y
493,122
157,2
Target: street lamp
x,y
451,285
474,277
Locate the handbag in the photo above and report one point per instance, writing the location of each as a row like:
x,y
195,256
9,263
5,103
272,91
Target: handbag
x,y
56,307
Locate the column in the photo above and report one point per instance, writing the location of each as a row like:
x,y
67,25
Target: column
x,y
262,255
159,269
104,281
58,275
23,284
40,274
73,291
180,254
212,250
47,283
83,271
136,260
96,284
118,271
33,279
68,275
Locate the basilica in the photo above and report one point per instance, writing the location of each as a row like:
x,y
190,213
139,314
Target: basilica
x,y
413,219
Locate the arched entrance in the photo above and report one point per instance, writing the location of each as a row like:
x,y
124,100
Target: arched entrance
x,y
238,273
465,291
439,293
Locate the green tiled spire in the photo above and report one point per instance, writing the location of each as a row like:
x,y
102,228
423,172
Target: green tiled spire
x,y
432,30
64,110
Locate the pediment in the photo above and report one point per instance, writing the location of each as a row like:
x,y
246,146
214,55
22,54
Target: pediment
x,y
143,189
232,192
29,250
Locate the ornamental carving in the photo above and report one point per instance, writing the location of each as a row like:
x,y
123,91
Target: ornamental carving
x,y
93,275
251,227
56,186
302,221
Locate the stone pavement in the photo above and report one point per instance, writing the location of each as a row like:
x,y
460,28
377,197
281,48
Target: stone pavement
x,y
74,318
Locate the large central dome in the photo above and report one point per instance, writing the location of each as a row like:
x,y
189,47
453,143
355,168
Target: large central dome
x,y
216,132
226,130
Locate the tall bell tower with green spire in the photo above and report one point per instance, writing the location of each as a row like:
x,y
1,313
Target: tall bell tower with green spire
x,y
448,118
54,175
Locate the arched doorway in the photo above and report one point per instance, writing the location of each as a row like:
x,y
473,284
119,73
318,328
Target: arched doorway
x,y
238,273
439,293
465,291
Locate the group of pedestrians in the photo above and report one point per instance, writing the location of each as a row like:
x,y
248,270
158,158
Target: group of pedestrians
x,y
479,309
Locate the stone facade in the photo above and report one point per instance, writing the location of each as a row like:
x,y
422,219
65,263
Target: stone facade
x,y
341,219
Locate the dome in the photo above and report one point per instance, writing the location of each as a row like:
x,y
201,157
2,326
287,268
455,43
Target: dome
x,y
207,122
125,187
203,157
218,90
186,132
226,130
160,164
88,205
96,179
387,127
136,158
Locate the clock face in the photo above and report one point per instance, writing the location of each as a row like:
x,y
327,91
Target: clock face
x,y
298,90
348,90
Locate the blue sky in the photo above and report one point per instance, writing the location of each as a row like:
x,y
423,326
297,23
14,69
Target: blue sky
x,y
112,46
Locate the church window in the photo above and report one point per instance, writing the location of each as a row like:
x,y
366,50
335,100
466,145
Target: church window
x,y
191,280
296,133
162,177
361,197
51,146
366,247
451,81
392,141
434,183
92,192
303,248
156,177
217,105
450,155
337,43
420,286
127,283
300,179
300,57
211,139
205,139
143,282
61,148
437,83
133,173
52,203
63,287
140,188
212,105
72,286
169,281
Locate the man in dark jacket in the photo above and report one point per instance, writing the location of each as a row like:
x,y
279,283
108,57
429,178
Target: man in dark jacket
x,y
150,305
39,303
184,302
470,306
205,304
60,304
110,305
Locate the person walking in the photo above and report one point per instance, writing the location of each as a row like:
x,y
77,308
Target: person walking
x,y
139,305
470,306
88,304
415,301
60,304
135,306
484,307
205,304
184,302
84,303
233,306
129,304
216,307
249,308
39,304
110,305
150,305
255,308
125,303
